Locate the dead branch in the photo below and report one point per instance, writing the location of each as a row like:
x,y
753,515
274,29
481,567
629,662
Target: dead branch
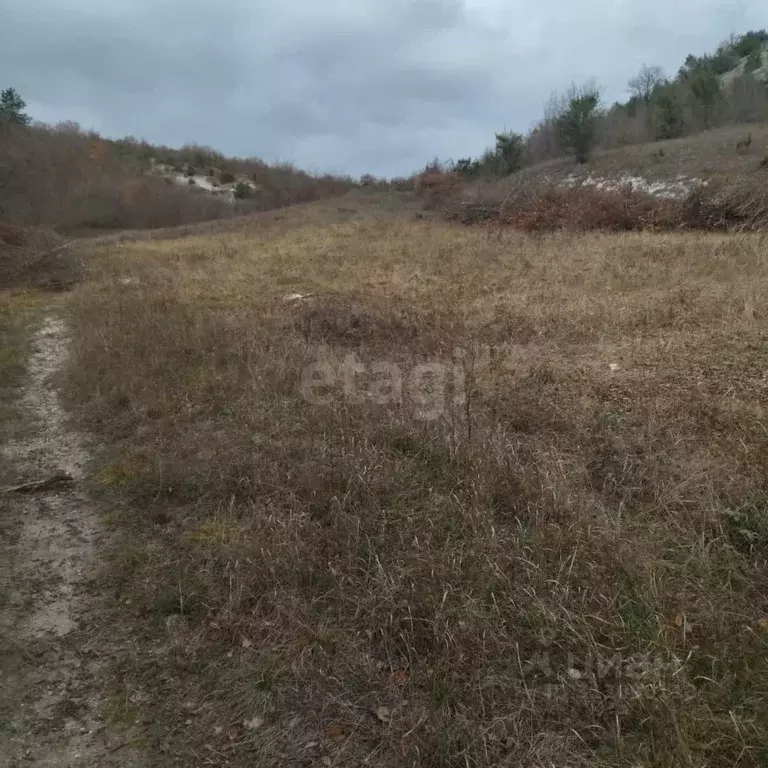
x,y
60,478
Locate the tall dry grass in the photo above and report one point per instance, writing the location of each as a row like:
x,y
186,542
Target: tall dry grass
x,y
566,566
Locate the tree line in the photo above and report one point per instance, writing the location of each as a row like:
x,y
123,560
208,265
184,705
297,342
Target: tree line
x,y
727,87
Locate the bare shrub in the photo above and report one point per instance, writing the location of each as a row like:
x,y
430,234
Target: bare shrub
x,y
729,204
402,184
540,207
67,179
490,200
584,209
146,202
31,257
438,188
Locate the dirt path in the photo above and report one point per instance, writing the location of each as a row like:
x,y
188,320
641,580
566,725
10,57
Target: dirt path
x,y
50,624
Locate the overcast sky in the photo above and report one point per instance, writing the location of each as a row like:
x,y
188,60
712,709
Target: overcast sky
x,y
339,85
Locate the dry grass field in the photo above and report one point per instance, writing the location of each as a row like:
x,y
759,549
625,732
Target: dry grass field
x,y
472,500
19,312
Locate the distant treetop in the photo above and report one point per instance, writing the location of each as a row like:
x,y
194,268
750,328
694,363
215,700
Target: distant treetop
x,y
12,108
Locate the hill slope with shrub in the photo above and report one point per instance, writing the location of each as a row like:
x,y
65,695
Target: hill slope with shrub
x,y
726,89
66,179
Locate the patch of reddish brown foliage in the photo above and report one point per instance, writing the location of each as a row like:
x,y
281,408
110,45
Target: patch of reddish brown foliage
x,y
583,209
735,204
437,187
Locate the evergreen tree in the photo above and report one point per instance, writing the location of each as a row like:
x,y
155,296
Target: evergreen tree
x,y
12,108
577,121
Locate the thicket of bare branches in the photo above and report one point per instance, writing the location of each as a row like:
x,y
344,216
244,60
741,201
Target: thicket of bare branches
x,y
63,178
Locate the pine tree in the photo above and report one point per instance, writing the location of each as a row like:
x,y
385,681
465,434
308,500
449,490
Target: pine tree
x,y
668,113
577,121
12,108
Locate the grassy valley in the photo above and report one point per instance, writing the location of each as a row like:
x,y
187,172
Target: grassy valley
x,y
397,491
462,470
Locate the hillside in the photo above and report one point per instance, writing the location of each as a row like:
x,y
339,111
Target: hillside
x,y
713,180
701,157
724,90
69,180
754,64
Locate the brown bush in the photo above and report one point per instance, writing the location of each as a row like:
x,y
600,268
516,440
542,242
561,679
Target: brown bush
x,y
740,203
737,204
402,184
69,180
36,258
486,201
145,203
533,207
438,188
583,209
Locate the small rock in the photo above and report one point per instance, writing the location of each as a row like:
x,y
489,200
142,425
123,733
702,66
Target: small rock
x,y
384,714
336,733
254,724
297,296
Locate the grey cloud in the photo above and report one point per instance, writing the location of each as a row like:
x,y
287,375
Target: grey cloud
x,y
344,85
